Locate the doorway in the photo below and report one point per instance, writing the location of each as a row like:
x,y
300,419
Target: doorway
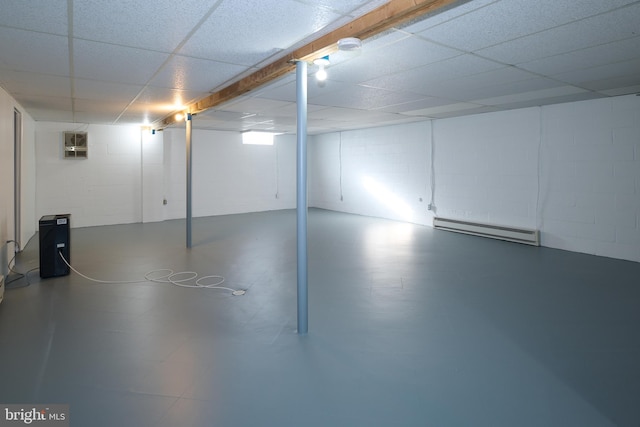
x,y
17,176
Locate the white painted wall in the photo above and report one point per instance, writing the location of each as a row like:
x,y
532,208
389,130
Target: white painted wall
x,y
590,198
152,177
7,225
380,172
103,189
228,177
571,170
487,167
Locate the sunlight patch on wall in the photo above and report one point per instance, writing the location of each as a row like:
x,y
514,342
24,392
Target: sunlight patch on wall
x,y
388,198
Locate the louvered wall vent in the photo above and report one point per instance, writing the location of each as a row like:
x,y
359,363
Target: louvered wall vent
x,y
511,234
75,145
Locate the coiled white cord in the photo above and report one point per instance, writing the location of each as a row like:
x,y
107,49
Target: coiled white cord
x,y
167,276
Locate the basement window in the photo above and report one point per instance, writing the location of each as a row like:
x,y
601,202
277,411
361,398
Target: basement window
x,y
75,145
258,138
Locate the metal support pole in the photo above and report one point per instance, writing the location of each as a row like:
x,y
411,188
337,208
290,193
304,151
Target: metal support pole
x,y
301,203
189,157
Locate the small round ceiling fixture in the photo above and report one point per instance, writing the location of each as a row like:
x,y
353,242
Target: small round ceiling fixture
x,y
349,43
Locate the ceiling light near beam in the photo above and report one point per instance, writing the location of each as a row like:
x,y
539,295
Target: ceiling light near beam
x,y
323,62
349,44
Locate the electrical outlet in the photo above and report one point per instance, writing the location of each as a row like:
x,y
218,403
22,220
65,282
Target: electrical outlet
x,y
430,207
164,201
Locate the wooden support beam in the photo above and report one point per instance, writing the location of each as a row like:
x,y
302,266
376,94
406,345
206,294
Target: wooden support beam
x,y
389,15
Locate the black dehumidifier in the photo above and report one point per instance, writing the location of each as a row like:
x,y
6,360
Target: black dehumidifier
x,y
54,240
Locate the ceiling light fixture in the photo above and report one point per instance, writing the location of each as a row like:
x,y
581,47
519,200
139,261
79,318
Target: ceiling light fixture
x,y
321,74
349,44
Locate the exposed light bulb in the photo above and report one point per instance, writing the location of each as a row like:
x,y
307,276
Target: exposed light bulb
x,y
321,74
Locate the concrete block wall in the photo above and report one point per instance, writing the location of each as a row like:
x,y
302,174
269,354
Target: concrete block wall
x,y
486,167
228,177
152,177
103,189
590,178
570,170
379,172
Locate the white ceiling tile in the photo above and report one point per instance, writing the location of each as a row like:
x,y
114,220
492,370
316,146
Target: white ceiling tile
x,y
613,82
381,41
46,16
432,111
552,99
112,108
334,113
471,87
195,74
459,8
422,80
345,6
274,85
529,96
35,52
420,104
222,115
25,83
97,117
619,69
40,102
93,89
287,91
609,53
229,35
364,98
291,110
107,62
169,98
256,105
494,24
606,28
48,114
131,24
627,90
410,52
397,72
463,112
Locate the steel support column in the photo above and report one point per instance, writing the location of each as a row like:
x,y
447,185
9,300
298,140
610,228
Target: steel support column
x,y
301,195
189,174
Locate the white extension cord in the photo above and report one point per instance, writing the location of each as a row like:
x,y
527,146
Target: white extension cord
x,y
167,276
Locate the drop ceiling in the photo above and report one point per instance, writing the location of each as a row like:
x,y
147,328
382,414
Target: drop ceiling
x,y
121,62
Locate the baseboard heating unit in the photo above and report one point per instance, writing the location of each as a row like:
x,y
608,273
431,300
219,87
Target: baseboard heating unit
x,y
511,234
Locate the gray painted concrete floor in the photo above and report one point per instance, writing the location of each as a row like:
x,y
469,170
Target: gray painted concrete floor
x,y
408,326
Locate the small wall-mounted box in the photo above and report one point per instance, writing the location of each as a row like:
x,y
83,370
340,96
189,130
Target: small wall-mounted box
x,y
75,145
